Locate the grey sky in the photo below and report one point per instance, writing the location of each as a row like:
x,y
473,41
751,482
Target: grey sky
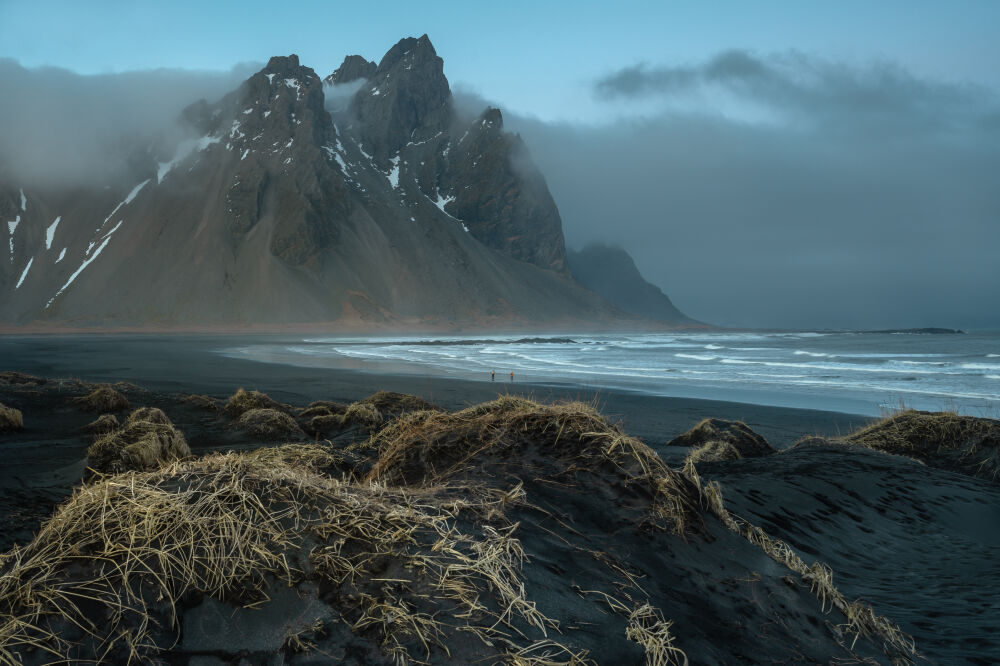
x,y
808,193
778,164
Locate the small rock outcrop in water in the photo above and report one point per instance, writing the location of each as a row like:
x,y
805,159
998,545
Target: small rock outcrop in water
x,y
715,440
147,439
544,520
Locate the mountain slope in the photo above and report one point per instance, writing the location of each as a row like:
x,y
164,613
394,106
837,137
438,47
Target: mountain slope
x,y
612,273
276,209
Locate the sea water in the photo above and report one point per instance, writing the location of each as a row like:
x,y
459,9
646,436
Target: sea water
x,y
864,373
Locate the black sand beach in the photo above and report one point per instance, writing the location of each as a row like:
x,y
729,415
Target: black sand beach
x,y
918,543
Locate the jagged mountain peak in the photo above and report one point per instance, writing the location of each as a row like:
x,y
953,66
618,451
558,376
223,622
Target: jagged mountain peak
x,y
407,99
419,49
353,68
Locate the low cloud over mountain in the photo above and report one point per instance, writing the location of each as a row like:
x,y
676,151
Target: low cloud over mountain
x,y
787,190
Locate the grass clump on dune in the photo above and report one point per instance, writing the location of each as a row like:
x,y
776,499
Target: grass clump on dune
x,y
430,447
203,401
268,424
322,408
146,440
361,414
965,444
10,419
715,440
104,399
102,425
109,575
388,402
243,401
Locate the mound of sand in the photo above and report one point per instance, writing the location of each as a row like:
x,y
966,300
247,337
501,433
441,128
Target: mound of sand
x,y
102,425
204,401
11,378
243,401
322,408
964,444
510,532
269,424
390,403
361,414
10,419
714,440
146,440
104,399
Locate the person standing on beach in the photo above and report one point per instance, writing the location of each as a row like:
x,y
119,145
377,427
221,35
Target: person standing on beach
x,y
493,375
512,375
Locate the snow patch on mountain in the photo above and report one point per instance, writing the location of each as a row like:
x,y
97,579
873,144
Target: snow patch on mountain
x,y
25,273
50,233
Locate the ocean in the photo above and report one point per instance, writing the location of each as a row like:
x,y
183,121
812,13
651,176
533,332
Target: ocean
x,y
861,373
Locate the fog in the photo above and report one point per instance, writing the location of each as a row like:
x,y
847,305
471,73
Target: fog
x,y
65,129
788,191
777,190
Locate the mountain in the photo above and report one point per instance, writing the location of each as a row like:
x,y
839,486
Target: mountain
x,y
612,273
278,207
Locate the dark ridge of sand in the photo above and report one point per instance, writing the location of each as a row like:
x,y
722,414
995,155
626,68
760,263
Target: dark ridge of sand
x,y
919,543
410,548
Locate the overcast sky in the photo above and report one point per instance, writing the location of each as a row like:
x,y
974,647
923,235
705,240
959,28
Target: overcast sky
x,y
780,164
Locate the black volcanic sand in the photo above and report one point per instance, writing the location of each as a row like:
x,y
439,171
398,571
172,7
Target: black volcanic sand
x,y
918,543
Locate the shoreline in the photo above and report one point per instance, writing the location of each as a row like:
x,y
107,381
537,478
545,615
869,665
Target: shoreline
x,y
192,364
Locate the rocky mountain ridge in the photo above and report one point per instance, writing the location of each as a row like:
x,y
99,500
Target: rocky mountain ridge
x,y
277,209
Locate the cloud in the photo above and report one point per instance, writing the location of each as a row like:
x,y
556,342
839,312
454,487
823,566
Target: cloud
x,y
60,128
805,89
867,197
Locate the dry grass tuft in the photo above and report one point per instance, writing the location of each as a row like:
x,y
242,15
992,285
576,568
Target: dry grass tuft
x,y
388,402
715,440
204,401
244,401
106,577
715,451
324,424
104,424
104,399
965,444
11,378
430,447
147,439
362,414
322,408
10,419
269,424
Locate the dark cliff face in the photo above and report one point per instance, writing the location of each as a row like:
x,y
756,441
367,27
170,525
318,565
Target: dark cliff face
x,y
611,272
475,173
276,209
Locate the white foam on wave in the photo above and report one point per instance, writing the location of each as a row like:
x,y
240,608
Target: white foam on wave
x,y
813,354
993,356
714,347
697,357
980,366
